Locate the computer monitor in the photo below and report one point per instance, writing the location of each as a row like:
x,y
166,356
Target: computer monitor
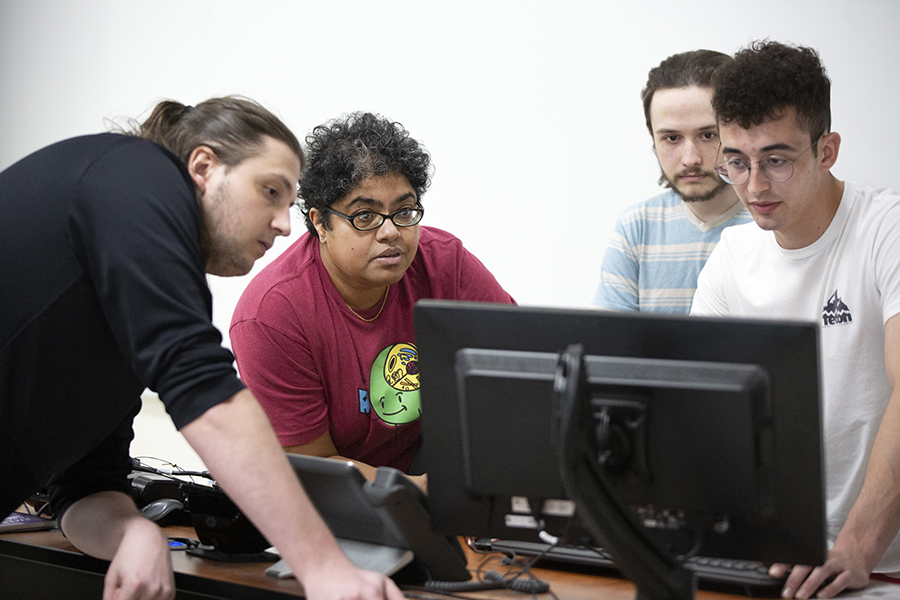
x,y
712,426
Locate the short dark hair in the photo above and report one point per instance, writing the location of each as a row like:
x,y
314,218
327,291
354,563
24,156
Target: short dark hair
x,y
768,77
347,150
233,126
686,69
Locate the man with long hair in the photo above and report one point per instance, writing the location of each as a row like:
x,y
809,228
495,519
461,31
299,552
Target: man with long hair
x,y
106,242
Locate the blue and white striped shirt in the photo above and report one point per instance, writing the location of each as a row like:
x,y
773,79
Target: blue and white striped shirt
x,y
655,254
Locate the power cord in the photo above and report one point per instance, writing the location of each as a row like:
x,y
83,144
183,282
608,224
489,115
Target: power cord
x,y
493,580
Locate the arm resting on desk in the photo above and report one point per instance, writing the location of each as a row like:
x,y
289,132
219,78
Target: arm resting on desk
x,y
107,525
239,447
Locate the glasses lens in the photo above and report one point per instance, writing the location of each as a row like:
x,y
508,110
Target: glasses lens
x,y
367,220
734,171
777,168
407,217
723,173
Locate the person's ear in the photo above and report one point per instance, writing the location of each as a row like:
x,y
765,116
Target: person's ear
x,y
829,146
200,166
315,215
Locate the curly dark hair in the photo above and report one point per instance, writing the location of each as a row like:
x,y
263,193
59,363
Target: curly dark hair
x,y
686,69
768,77
345,151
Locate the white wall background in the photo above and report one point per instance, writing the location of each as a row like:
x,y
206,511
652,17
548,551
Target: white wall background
x,y
530,109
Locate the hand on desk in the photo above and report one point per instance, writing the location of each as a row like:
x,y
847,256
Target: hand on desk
x,y
348,582
142,567
842,570
107,525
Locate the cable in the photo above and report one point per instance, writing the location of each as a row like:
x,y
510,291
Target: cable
x,y
525,585
517,578
172,472
493,580
413,592
532,585
463,586
546,537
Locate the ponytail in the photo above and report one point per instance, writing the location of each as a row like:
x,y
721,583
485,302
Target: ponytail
x,y
234,127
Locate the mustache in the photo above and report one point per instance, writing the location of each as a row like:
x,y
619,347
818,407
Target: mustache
x,y
694,171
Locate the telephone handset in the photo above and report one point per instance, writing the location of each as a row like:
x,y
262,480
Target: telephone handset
x,y
390,511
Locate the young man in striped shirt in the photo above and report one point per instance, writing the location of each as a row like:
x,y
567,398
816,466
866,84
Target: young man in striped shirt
x,y
660,245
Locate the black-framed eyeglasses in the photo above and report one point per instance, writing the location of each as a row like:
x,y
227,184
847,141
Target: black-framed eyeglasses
x,y
367,220
736,171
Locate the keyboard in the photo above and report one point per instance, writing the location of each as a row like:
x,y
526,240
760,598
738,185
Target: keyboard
x,y
722,571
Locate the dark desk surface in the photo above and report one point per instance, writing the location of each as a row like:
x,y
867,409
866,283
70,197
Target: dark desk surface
x,y
44,565
41,565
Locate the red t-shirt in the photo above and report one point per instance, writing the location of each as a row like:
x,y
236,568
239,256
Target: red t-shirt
x,y
316,367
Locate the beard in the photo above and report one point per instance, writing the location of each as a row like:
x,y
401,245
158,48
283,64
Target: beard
x,y
701,197
222,252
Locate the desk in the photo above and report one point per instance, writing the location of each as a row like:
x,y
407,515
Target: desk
x,y
41,565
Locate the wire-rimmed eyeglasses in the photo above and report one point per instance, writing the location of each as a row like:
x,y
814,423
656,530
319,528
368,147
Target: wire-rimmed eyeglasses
x,y
367,220
736,171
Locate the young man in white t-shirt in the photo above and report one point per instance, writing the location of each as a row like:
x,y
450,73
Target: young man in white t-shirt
x,y
823,250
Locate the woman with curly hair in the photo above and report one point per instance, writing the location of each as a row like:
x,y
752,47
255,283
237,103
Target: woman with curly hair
x,y
324,335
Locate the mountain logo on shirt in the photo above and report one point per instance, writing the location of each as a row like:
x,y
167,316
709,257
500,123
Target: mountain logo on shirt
x,y
836,312
394,385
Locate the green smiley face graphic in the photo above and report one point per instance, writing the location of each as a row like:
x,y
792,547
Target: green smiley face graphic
x,y
394,385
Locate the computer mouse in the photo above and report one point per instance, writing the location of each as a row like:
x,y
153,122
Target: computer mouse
x,y
165,511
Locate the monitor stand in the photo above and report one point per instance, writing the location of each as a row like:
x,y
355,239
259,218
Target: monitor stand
x,y
657,575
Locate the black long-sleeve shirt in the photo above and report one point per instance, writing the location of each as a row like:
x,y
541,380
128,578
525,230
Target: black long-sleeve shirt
x,y
103,292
